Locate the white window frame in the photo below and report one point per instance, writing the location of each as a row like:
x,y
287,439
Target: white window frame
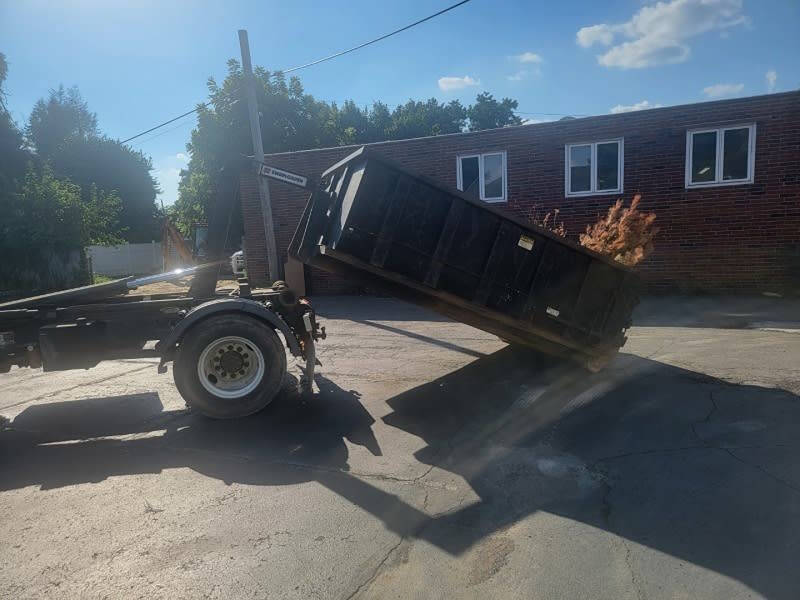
x,y
480,156
720,131
594,191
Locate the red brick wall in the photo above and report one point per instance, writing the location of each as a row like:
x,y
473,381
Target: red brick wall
x,y
741,238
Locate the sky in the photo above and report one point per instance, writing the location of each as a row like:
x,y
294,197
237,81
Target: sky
x,y
140,62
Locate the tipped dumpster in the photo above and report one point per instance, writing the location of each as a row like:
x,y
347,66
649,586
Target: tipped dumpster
x,y
380,224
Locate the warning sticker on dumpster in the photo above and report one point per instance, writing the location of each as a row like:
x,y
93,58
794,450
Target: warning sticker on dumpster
x,y
526,242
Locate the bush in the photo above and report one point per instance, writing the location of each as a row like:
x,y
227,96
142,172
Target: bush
x,y
625,234
550,222
45,226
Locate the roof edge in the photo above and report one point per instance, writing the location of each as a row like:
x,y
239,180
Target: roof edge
x,y
544,124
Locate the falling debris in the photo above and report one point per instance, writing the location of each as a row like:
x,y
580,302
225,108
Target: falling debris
x,y
625,234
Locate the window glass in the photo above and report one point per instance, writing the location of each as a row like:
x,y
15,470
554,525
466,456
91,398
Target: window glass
x,y
704,156
734,157
580,168
492,176
608,166
470,179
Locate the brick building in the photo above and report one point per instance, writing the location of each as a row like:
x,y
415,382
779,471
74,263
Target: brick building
x,y
723,178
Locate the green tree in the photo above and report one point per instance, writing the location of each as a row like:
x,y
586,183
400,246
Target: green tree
x,y
13,157
46,212
293,120
420,119
488,113
63,131
62,118
114,168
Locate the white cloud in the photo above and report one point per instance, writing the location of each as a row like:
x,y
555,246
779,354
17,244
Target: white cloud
x,y
448,84
657,34
183,157
643,105
718,90
596,34
771,77
529,57
518,76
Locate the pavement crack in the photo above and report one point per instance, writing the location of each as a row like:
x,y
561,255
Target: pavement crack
x,y
376,570
706,419
644,453
730,453
634,580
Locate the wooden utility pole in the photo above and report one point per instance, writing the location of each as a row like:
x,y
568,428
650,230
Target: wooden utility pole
x,y
258,153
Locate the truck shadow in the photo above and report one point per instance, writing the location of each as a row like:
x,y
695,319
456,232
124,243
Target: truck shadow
x,y
669,459
66,443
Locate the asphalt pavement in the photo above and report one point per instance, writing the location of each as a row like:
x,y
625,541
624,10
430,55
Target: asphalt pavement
x,y
432,462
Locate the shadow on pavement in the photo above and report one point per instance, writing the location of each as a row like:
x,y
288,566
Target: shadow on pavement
x,y
663,457
667,458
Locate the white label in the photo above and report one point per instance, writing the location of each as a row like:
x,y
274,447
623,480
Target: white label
x,y
282,175
553,312
525,242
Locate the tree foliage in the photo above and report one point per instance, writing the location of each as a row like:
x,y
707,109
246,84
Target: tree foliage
x,y
113,168
46,212
64,133
294,120
60,199
13,157
60,119
488,113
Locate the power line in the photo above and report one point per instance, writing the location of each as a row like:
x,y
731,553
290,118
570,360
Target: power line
x,y
312,63
165,132
160,125
377,39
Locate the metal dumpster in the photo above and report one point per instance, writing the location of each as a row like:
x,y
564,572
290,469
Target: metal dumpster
x,y
372,220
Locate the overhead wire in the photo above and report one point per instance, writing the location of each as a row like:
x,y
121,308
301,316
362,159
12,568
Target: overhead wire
x,y
309,64
377,39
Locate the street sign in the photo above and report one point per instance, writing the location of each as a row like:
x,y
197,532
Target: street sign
x,y
285,176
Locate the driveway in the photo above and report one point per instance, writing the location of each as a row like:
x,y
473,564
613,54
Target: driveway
x,y
434,462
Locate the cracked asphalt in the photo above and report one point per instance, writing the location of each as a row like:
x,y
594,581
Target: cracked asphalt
x,y
433,462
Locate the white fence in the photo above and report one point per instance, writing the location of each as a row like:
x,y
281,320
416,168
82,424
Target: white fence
x,y
127,259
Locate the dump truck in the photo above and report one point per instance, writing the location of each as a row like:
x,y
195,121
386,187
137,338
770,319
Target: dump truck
x,y
374,221
367,219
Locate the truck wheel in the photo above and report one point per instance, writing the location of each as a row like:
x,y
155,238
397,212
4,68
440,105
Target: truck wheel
x,y
229,366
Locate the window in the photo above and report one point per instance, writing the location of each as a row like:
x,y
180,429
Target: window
x,y
594,168
723,156
483,176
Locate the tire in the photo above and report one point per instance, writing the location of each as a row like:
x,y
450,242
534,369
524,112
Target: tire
x,y
229,366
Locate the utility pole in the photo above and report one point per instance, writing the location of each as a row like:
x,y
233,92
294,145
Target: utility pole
x,y
258,153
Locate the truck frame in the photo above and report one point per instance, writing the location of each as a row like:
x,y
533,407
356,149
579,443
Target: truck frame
x,y
228,357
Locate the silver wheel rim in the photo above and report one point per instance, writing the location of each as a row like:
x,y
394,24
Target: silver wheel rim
x,y
230,367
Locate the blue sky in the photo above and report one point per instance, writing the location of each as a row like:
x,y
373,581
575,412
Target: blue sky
x,y
141,62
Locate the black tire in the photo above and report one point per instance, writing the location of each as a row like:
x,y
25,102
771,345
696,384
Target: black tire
x,y
201,336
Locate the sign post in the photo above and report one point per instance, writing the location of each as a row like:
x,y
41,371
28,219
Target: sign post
x,y
258,154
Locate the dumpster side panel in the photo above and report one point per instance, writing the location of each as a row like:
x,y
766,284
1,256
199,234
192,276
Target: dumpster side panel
x,y
475,263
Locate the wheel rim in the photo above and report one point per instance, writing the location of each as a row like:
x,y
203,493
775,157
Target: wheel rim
x,y
230,367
